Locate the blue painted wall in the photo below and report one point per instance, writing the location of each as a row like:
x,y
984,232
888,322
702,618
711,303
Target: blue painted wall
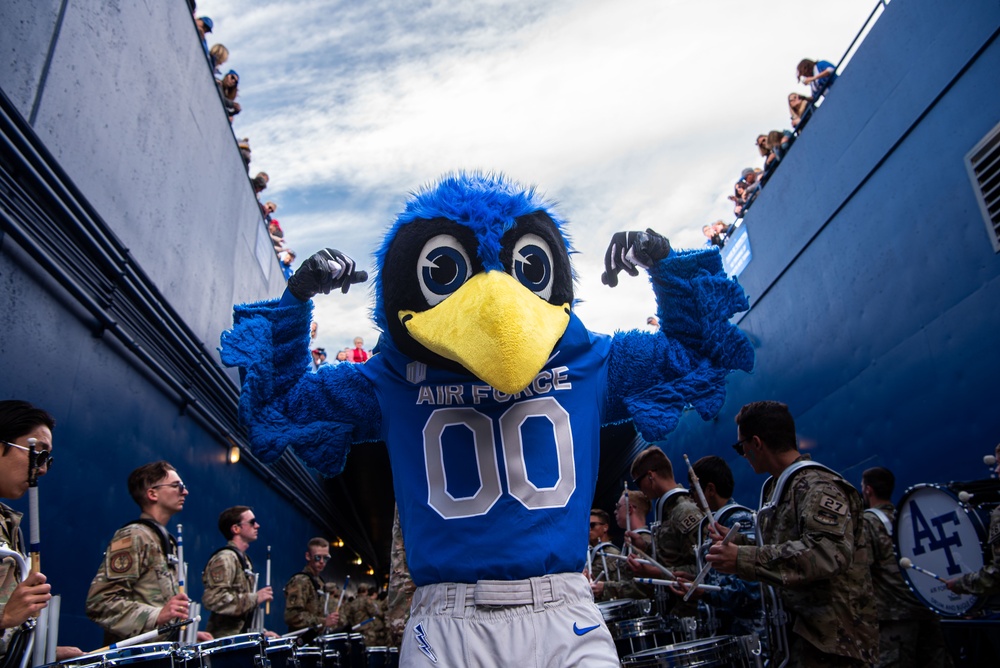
x,y
873,284
121,94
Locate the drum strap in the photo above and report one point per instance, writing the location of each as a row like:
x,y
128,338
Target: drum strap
x,y
167,542
662,501
882,518
784,479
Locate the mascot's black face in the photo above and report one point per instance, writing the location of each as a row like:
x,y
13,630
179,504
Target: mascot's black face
x,y
430,260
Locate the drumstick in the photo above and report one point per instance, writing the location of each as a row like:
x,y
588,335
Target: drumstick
x,y
628,515
906,563
652,562
267,580
292,634
590,564
34,531
180,558
622,557
697,487
149,635
343,592
733,530
671,583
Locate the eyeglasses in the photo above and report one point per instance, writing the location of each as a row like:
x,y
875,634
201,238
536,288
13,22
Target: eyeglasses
x,y
321,557
738,446
639,478
178,485
42,457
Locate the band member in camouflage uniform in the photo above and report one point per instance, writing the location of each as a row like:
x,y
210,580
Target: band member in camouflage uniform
x,y
136,587
307,595
20,421
229,578
675,538
602,569
987,579
909,633
401,588
636,510
364,610
814,546
736,608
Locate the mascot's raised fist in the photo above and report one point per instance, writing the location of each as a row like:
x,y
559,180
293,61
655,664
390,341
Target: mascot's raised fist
x,y
629,250
326,270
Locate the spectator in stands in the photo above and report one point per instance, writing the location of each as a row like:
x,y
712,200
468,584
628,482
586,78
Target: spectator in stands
x,y
313,330
229,87
820,75
359,354
286,258
654,322
319,359
342,356
204,26
266,209
260,182
799,107
739,197
779,142
716,233
244,145
217,56
277,235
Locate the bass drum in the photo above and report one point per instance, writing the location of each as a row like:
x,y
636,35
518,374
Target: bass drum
x,y
719,652
938,532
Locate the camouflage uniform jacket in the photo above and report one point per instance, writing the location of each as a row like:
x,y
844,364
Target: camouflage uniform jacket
x,y
401,588
229,593
893,597
619,583
602,568
134,582
676,538
987,579
816,553
362,608
10,575
304,595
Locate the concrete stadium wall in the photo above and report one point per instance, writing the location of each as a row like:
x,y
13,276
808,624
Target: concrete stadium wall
x,y
120,93
873,283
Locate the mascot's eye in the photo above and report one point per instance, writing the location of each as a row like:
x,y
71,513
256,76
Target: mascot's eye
x,y
531,265
443,267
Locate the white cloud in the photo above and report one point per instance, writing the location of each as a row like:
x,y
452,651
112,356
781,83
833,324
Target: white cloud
x,y
630,114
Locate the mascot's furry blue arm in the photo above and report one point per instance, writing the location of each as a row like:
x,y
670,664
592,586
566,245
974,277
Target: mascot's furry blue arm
x,y
473,298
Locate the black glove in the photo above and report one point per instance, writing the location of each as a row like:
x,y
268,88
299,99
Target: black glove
x,y
629,250
326,270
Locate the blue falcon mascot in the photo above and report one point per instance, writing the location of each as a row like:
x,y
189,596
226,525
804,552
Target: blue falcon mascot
x,y
490,395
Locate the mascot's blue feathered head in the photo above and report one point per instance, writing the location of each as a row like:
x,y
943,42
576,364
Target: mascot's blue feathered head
x,y
475,275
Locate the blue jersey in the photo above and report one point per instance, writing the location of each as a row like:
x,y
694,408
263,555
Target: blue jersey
x,y
489,485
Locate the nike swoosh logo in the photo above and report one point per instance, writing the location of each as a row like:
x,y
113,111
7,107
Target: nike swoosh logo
x,y
585,630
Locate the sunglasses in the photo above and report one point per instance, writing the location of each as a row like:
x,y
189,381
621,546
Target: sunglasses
x,y
738,446
321,557
178,485
594,525
42,457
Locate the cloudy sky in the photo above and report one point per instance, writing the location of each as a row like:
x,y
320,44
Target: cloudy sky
x,y
627,113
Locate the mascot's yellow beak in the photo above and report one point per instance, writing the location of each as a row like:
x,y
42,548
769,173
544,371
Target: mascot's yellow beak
x,y
494,327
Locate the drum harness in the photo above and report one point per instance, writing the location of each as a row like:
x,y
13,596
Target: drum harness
x,y
689,625
598,550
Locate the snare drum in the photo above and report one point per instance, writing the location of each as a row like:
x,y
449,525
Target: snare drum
x,y
622,608
241,651
637,635
377,657
357,650
938,532
722,651
151,655
393,657
312,657
281,652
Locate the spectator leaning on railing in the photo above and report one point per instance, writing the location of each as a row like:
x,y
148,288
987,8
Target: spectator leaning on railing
x,y
820,75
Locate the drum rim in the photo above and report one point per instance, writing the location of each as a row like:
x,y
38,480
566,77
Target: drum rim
x,y
981,530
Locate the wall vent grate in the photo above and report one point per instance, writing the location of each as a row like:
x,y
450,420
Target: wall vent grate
x,y
983,163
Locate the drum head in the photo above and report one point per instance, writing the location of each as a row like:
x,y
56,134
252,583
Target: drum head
x,y
938,532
